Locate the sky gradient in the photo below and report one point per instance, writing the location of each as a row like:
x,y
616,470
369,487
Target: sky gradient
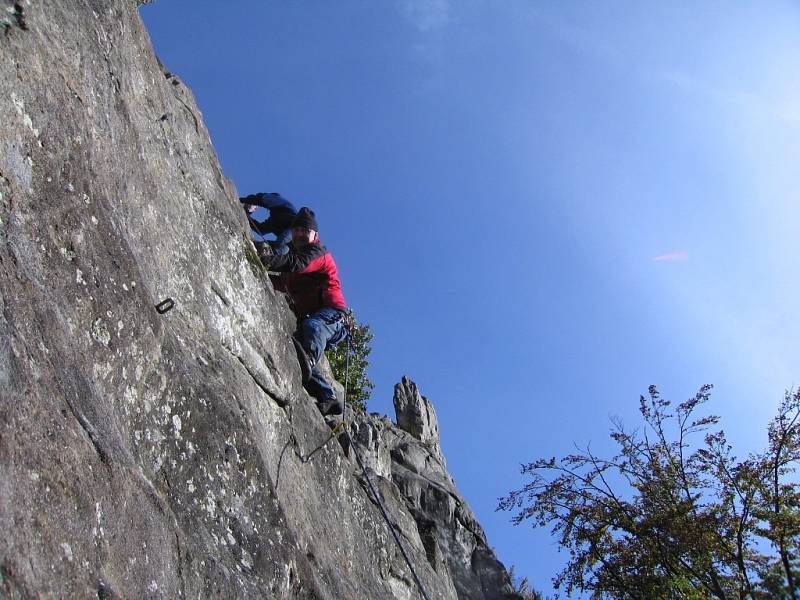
x,y
540,208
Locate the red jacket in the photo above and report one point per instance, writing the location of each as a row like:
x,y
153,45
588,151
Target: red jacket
x,y
310,277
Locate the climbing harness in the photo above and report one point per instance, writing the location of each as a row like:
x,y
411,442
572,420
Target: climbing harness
x,y
350,324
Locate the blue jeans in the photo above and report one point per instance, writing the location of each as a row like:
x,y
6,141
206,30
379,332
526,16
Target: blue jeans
x,y
316,333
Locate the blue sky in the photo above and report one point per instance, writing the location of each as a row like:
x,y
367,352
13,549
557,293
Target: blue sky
x,y
540,208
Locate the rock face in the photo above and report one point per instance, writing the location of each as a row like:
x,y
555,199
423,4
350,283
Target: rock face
x,y
150,455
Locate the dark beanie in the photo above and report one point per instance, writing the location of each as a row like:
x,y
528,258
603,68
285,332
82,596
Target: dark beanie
x,y
305,218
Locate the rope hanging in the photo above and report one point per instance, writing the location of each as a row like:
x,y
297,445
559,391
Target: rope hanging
x,y
375,494
342,426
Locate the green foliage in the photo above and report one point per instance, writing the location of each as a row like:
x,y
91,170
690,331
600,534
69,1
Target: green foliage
x,y
359,385
522,586
670,516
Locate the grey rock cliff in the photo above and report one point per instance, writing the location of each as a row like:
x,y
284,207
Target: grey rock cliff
x,y
147,455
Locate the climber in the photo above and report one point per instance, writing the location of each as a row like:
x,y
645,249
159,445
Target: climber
x,y
279,223
308,274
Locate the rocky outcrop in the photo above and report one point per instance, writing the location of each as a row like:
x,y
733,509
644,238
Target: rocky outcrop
x,y
152,454
407,459
416,416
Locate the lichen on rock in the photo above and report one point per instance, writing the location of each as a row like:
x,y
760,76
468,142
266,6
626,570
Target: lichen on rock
x,y
160,455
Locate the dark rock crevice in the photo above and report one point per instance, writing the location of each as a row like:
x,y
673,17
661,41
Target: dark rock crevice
x,y
15,15
179,565
12,585
220,295
105,592
428,533
91,433
258,380
176,83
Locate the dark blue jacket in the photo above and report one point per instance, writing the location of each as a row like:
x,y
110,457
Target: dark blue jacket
x,y
281,212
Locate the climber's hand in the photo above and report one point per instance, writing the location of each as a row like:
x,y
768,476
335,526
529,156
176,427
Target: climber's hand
x,y
265,253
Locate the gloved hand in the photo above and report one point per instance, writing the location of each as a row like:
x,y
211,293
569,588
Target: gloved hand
x,y
248,202
265,253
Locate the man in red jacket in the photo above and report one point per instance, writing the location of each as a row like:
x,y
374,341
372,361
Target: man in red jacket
x,y
308,274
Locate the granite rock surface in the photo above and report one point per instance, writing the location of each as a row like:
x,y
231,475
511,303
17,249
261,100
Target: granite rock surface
x,y
148,454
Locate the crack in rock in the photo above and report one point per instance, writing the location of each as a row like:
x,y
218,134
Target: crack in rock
x,y
91,433
15,16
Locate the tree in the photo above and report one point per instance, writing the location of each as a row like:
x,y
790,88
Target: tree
x,y
354,373
670,516
522,586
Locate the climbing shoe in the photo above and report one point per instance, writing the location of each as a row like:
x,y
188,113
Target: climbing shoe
x,y
329,406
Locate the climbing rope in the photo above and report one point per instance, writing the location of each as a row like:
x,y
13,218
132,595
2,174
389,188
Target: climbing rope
x,y
304,458
375,494
379,502
334,432
346,376
342,426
